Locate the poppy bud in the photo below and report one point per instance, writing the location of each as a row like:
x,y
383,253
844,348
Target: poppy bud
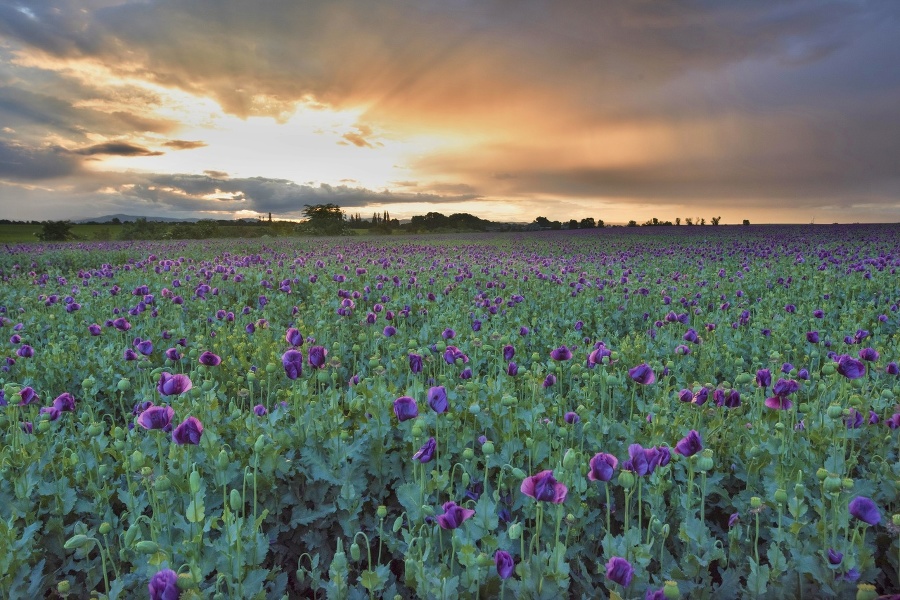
x,y
147,547
487,448
799,491
428,510
518,473
705,462
468,454
382,511
829,369
475,409
63,587
755,502
222,460
194,482
835,411
665,530
466,480
95,429
76,541
235,502
260,444
43,425
847,483
895,519
162,484
124,385
508,400
569,459
417,430
670,590
626,479
398,523
865,591
780,496
185,581
146,471
409,575
821,473
832,484
529,442
515,531
354,551
208,385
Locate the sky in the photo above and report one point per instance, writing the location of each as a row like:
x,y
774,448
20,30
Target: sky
x,y
782,111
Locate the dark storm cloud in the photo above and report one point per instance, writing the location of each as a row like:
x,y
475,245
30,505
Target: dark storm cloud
x,y
23,163
116,149
201,192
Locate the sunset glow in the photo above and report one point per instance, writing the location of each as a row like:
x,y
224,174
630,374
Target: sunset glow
x,y
772,113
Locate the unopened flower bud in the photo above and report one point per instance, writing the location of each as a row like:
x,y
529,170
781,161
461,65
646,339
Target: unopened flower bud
x,y
194,481
235,502
866,591
822,473
780,496
487,448
755,502
354,551
569,459
626,479
835,411
104,528
63,587
222,460
381,511
847,484
162,484
468,454
832,484
670,590
147,547
515,531
398,523
185,581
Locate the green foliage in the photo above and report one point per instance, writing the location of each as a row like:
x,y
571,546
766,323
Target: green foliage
x,y
324,219
55,231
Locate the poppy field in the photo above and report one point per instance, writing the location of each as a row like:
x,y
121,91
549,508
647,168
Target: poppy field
x,y
703,412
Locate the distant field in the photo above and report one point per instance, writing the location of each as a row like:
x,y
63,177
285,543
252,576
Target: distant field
x,y
18,233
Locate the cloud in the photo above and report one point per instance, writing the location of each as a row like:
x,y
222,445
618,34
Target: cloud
x,y
23,163
184,144
216,174
281,196
116,149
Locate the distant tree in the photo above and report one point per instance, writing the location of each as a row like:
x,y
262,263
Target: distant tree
x,y
678,220
573,224
55,231
555,225
746,222
689,221
324,219
103,234
715,220
632,223
588,223
116,221
703,221
542,222
600,224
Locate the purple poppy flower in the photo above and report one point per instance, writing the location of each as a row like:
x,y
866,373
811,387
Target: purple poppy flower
x,y
292,361
173,354
763,378
865,510
894,421
732,399
454,515
260,411
505,564
685,395
778,403
852,575
543,487
812,337
171,385
405,408
164,585
787,368
571,418
690,444
818,314
508,352
701,396
121,324
849,367
25,351
785,387
437,399
466,373
145,347
733,519
512,369
452,354
28,427
94,329
293,337
65,402
892,368
834,557
156,417
390,331
316,358
129,354
27,396
250,328
803,374
602,467
448,334
523,331
188,432
426,452
642,374
561,353
415,362
52,412
869,354
691,336
209,359
854,420
549,380
619,571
